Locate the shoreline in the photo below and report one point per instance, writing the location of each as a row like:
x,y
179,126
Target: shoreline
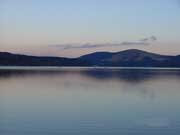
x,y
78,68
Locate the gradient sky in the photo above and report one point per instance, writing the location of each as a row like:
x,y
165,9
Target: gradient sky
x,y
45,27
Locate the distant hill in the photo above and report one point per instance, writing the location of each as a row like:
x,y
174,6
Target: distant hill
x,y
127,58
9,59
132,58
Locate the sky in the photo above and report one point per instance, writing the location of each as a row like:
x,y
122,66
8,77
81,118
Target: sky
x,y
75,27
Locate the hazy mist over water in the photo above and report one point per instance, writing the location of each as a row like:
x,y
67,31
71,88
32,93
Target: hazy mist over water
x,y
90,101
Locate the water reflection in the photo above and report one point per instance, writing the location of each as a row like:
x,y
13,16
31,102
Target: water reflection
x,y
129,75
127,81
132,75
89,101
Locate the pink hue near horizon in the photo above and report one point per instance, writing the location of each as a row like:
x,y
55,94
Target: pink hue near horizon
x,y
161,48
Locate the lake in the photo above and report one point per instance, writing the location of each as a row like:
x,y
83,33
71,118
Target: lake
x,y
89,101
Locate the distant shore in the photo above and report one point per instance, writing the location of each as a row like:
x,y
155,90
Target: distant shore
x,y
77,68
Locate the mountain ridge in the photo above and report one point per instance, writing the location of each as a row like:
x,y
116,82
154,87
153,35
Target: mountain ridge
x,y
126,58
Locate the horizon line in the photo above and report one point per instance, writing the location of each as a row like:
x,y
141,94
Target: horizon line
x,y
8,52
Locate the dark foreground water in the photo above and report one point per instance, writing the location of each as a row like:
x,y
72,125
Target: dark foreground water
x,y
90,102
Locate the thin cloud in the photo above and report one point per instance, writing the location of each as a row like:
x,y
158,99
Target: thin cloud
x,y
150,39
142,42
134,43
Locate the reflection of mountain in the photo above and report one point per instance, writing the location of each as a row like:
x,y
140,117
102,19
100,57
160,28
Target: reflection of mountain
x,y
128,58
129,75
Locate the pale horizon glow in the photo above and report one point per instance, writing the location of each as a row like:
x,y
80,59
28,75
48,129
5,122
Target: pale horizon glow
x,y
34,27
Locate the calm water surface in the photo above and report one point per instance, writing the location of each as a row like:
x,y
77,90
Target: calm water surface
x,y
90,102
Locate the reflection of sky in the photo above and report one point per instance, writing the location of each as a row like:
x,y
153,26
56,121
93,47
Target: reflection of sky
x,y
77,102
31,26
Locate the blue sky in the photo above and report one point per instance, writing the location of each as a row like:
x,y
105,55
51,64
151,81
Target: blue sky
x,y
47,25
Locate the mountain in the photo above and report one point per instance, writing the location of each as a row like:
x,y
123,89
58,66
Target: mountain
x,y
9,59
132,58
127,58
